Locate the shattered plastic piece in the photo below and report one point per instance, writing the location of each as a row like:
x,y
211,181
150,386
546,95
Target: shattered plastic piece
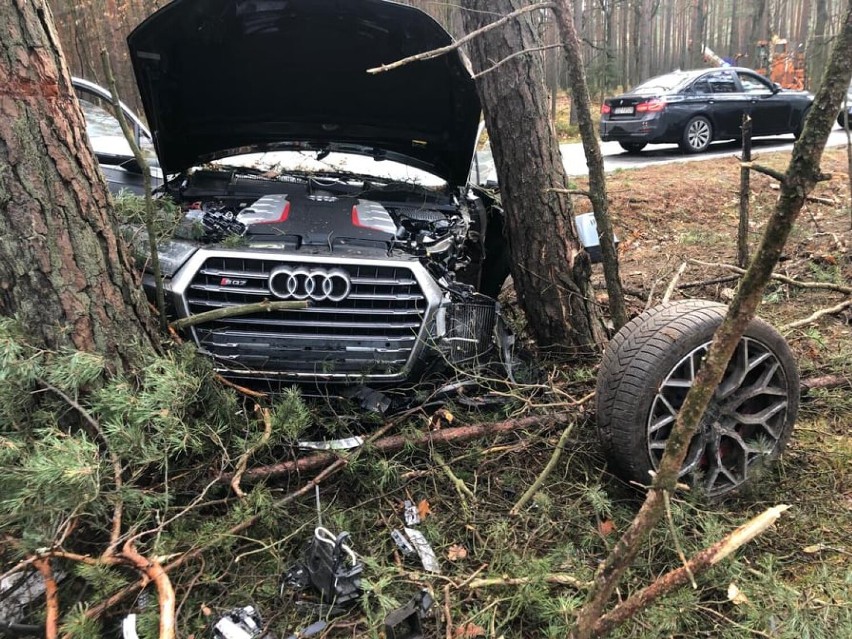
x,y
412,518
128,627
402,543
370,399
346,443
239,623
404,622
330,566
427,555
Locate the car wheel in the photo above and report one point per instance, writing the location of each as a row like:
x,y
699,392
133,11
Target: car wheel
x,y
633,147
697,135
801,125
842,123
646,372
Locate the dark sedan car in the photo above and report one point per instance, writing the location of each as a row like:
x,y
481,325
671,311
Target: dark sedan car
x,y
695,108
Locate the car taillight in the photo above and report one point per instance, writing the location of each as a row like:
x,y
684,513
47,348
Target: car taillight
x,y
605,109
651,106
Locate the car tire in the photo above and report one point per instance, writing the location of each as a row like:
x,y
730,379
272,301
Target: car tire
x,y
633,147
842,123
697,135
646,372
801,125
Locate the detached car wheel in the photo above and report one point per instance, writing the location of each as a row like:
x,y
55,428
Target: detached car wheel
x,y
697,135
633,147
647,371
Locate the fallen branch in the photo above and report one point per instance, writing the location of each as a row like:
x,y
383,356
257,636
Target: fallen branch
x,y
242,463
493,67
825,381
813,317
828,286
670,289
551,464
559,579
397,442
154,572
757,168
235,311
716,280
436,53
699,563
51,598
461,488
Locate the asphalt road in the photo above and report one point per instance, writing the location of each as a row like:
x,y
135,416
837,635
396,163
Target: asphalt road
x,y
616,158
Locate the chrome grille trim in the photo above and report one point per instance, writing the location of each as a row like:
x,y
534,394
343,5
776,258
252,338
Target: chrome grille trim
x,y
377,333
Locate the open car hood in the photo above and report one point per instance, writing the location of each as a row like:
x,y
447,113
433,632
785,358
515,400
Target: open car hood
x,y
222,77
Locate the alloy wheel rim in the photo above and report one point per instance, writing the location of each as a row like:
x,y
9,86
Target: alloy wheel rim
x,y
743,425
698,134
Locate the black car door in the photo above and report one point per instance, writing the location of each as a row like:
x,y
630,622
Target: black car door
x,y
726,103
770,109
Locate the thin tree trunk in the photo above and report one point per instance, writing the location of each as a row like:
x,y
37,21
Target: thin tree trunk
x,y
594,160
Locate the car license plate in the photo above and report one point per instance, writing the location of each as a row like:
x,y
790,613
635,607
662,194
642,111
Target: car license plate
x,y
623,110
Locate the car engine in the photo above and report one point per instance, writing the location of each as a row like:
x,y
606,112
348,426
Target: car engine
x,y
388,273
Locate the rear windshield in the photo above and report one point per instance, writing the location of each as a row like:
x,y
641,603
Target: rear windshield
x,y
663,83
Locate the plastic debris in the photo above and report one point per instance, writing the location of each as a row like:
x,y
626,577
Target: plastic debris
x,y
404,622
424,550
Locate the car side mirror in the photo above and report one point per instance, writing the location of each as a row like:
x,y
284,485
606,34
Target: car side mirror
x,y
775,87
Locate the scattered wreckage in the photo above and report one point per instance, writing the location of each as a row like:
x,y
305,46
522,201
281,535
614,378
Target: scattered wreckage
x,y
376,217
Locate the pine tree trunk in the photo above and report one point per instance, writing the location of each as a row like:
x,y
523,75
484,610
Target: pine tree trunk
x,y
63,272
549,268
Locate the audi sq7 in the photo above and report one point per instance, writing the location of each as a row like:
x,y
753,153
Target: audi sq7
x,y
361,208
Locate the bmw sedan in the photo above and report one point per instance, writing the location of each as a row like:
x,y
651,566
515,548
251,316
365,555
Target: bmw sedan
x,y
695,108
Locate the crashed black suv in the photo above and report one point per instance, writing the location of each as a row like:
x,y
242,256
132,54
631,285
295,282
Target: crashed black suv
x,y
377,231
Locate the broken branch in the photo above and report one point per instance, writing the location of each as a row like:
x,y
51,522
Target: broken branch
x,y
758,168
781,278
559,579
436,53
813,317
154,572
397,442
670,289
551,464
678,577
51,598
234,311
244,458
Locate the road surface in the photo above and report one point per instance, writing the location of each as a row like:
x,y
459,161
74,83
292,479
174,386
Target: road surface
x,y
616,158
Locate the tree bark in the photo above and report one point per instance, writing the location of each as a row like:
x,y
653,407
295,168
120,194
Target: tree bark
x,y
63,272
549,267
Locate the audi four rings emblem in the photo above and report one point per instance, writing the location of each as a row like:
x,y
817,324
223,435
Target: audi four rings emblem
x,y
309,284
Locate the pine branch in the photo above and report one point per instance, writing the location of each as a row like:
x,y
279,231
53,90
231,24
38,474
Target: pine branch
x,y
235,311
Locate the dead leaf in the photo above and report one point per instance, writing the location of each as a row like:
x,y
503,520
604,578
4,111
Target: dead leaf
x,y
606,527
423,509
736,596
469,630
456,552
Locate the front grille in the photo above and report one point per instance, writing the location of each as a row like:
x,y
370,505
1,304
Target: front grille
x,y
371,333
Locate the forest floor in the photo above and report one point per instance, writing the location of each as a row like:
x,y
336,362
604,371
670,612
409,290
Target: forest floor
x,y
500,572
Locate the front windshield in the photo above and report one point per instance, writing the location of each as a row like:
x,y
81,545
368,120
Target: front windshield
x,y
663,83
282,162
